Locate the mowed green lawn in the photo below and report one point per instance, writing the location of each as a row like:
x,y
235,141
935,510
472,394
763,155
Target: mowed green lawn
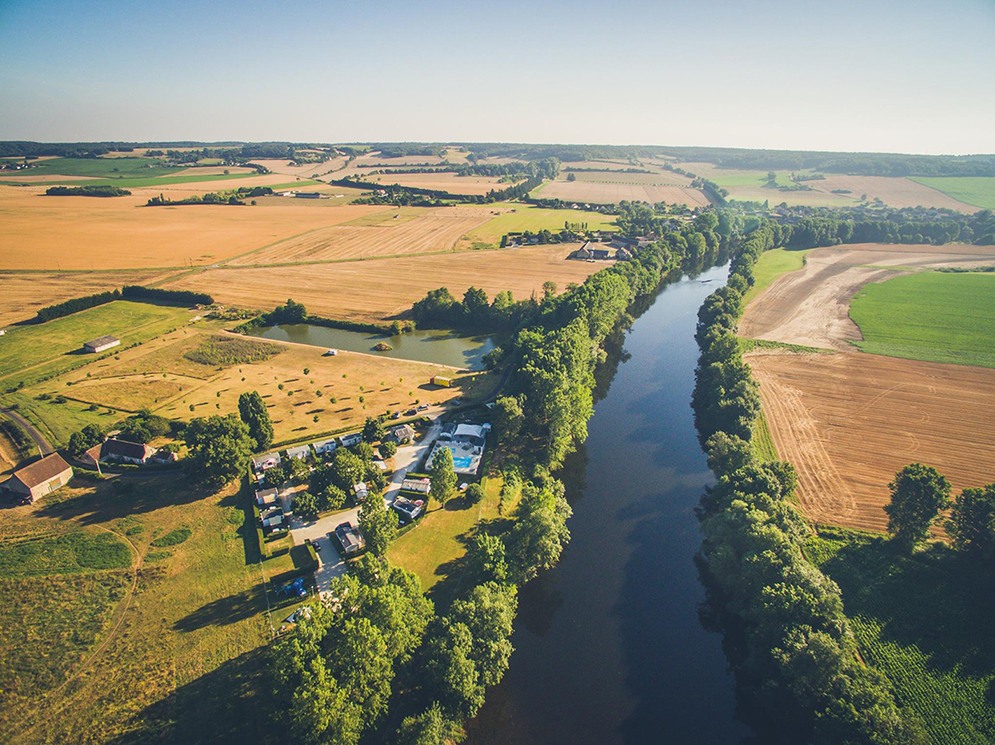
x,y
932,316
534,219
100,168
33,351
925,622
771,265
976,190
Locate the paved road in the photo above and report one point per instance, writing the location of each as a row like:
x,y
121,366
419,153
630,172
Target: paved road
x,y
330,563
37,436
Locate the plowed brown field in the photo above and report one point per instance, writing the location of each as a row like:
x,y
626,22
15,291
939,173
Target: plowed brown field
x,y
812,306
849,422
409,233
379,288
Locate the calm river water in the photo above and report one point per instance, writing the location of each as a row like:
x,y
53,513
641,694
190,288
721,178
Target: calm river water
x,y
609,645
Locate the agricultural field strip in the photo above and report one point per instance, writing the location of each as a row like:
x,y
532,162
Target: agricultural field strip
x,y
849,422
811,306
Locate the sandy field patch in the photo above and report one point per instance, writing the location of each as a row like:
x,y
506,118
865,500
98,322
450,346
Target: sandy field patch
x,y
304,170
897,192
380,288
849,422
599,192
811,306
130,392
42,232
399,232
24,294
748,185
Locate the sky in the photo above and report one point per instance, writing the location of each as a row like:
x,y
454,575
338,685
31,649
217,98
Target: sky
x,y
872,75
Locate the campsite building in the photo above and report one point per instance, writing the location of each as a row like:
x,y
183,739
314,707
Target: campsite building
x,y
40,478
101,344
301,452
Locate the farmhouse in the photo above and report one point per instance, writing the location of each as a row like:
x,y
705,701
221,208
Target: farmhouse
x,y
40,478
588,253
120,451
101,344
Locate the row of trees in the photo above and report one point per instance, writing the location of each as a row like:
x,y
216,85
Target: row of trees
x,y
86,191
796,658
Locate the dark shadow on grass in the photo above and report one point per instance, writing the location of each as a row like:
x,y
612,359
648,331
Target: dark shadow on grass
x,y
223,611
227,705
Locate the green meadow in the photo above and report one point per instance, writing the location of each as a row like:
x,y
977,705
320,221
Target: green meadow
x,y
976,190
931,316
771,265
534,219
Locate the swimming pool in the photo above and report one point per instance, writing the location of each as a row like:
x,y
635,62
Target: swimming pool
x,y
462,462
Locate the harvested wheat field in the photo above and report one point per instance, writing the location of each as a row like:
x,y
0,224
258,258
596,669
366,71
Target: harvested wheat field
x,y
606,192
396,231
24,293
43,232
450,182
896,192
849,422
811,306
379,288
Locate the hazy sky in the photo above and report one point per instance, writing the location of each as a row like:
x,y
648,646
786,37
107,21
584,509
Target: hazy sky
x,y
879,75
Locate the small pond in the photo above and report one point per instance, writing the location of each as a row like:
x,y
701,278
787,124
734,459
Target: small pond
x,y
440,347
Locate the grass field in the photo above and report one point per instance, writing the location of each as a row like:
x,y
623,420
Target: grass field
x,y
102,168
933,316
172,652
925,623
439,539
975,190
516,217
750,185
30,352
762,443
771,265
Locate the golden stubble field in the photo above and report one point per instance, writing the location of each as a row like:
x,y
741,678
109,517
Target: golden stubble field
x,y
380,288
849,422
387,233
612,188
450,182
42,232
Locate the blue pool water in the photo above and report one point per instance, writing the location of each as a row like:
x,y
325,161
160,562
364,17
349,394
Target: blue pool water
x,y
462,462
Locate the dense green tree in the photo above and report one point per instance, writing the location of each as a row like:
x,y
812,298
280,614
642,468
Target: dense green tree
x,y
509,416
450,671
474,493
291,312
443,476
252,410
430,727
331,498
220,448
298,470
377,524
918,493
86,438
306,505
727,453
345,469
486,559
488,613
972,521
374,429
388,449
540,533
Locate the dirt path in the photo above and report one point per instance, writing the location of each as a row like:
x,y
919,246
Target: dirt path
x,y
811,306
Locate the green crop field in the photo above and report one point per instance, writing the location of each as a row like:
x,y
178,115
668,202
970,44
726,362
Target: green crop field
x,y
34,351
771,265
534,219
932,316
924,622
976,190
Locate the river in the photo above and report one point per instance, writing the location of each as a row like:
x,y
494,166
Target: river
x,y
609,645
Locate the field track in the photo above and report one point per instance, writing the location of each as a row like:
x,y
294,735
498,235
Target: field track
x,y
849,422
811,306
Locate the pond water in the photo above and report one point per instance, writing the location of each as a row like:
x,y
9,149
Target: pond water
x,y
610,646
440,347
